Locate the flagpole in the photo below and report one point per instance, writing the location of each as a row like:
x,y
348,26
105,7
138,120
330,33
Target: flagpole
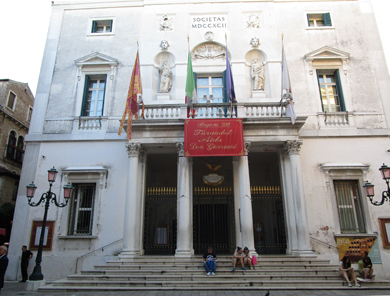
x,y
281,85
231,101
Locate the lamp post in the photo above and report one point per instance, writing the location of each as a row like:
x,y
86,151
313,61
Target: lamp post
x,y
385,171
46,197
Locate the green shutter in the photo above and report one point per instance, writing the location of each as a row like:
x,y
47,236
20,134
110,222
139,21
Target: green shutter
x,y
94,27
319,89
104,93
308,20
327,20
85,96
196,80
339,90
110,25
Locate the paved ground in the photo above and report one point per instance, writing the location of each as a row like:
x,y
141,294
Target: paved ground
x,y
15,288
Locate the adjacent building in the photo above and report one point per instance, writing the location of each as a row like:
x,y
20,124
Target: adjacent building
x,y
295,188
15,114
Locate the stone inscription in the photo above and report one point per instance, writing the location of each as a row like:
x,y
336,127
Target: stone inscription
x,y
208,22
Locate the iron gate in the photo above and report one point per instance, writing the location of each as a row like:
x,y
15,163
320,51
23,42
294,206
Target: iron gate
x,y
213,218
268,220
160,221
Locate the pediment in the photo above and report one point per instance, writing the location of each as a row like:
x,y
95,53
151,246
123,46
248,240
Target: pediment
x,y
327,53
96,58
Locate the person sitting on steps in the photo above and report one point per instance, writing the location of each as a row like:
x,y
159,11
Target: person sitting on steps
x,y
210,258
346,271
365,266
247,258
238,258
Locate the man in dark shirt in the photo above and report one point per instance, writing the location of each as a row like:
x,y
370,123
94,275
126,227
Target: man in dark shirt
x,y
210,259
3,264
26,256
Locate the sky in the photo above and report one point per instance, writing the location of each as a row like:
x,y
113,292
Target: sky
x,y
25,24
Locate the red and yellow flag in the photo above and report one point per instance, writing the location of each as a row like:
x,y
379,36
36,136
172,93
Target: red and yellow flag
x,y
131,102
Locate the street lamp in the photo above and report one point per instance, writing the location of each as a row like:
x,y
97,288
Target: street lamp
x,y
385,171
47,197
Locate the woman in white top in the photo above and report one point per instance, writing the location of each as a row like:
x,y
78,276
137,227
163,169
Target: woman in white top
x,y
238,258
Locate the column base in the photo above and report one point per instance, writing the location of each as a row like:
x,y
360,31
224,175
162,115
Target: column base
x,y
305,253
128,255
34,285
182,254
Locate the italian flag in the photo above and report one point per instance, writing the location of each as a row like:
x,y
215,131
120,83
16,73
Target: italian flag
x,y
190,88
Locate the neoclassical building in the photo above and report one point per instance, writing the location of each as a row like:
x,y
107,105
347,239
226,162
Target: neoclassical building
x,y
293,189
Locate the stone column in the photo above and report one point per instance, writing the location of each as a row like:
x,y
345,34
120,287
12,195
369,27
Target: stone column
x,y
184,206
303,235
236,192
141,193
131,243
246,216
288,202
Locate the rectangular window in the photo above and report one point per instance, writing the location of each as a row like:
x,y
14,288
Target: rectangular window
x,y
101,26
81,209
319,20
11,100
331,91
349,207
94,92
15,192
29,113
207,85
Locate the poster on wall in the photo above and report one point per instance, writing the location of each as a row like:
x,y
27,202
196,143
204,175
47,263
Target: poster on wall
x,y
213,137
36,235
353,248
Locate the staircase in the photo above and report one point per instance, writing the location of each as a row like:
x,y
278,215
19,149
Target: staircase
x,y
169,273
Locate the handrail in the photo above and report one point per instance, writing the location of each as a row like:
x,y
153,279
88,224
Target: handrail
x,y
102,248
324,243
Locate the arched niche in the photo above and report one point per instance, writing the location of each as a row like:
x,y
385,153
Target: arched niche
x,y
159,59
250,56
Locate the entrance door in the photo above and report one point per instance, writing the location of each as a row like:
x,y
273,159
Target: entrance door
x,y
268,220
213,219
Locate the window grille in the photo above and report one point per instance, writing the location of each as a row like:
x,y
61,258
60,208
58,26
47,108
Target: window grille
x,y
81,210
349,205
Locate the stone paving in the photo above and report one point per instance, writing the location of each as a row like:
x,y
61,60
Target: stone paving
x,y
16,288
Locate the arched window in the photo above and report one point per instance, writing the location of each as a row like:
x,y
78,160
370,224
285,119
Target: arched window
x,y
19,149
11,145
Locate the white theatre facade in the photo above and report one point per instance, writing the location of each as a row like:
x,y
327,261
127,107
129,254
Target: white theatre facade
x,y
296,190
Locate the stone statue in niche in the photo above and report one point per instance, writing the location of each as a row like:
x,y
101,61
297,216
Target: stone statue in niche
x,y
164,45
252,21
209,52
166,23
258,75
166,77
255,42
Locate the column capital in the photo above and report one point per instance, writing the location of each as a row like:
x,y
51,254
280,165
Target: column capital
x,y
133,149
246,147
284,151
294,147
180,148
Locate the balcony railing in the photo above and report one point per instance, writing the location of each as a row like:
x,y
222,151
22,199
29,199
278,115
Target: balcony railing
x,y
215,110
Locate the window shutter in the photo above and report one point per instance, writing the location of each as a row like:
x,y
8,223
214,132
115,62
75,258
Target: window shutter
x,y
339,90
327,20
94,26
110,25
308,20
319,89
196,81
85,96
104,93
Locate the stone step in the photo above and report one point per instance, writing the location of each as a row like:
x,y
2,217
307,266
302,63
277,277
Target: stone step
x,y
206,281
76,288
200,266
190,277
220,271
220,260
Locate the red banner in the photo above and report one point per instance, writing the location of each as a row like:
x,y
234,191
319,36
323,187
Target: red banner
x,y
213,137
